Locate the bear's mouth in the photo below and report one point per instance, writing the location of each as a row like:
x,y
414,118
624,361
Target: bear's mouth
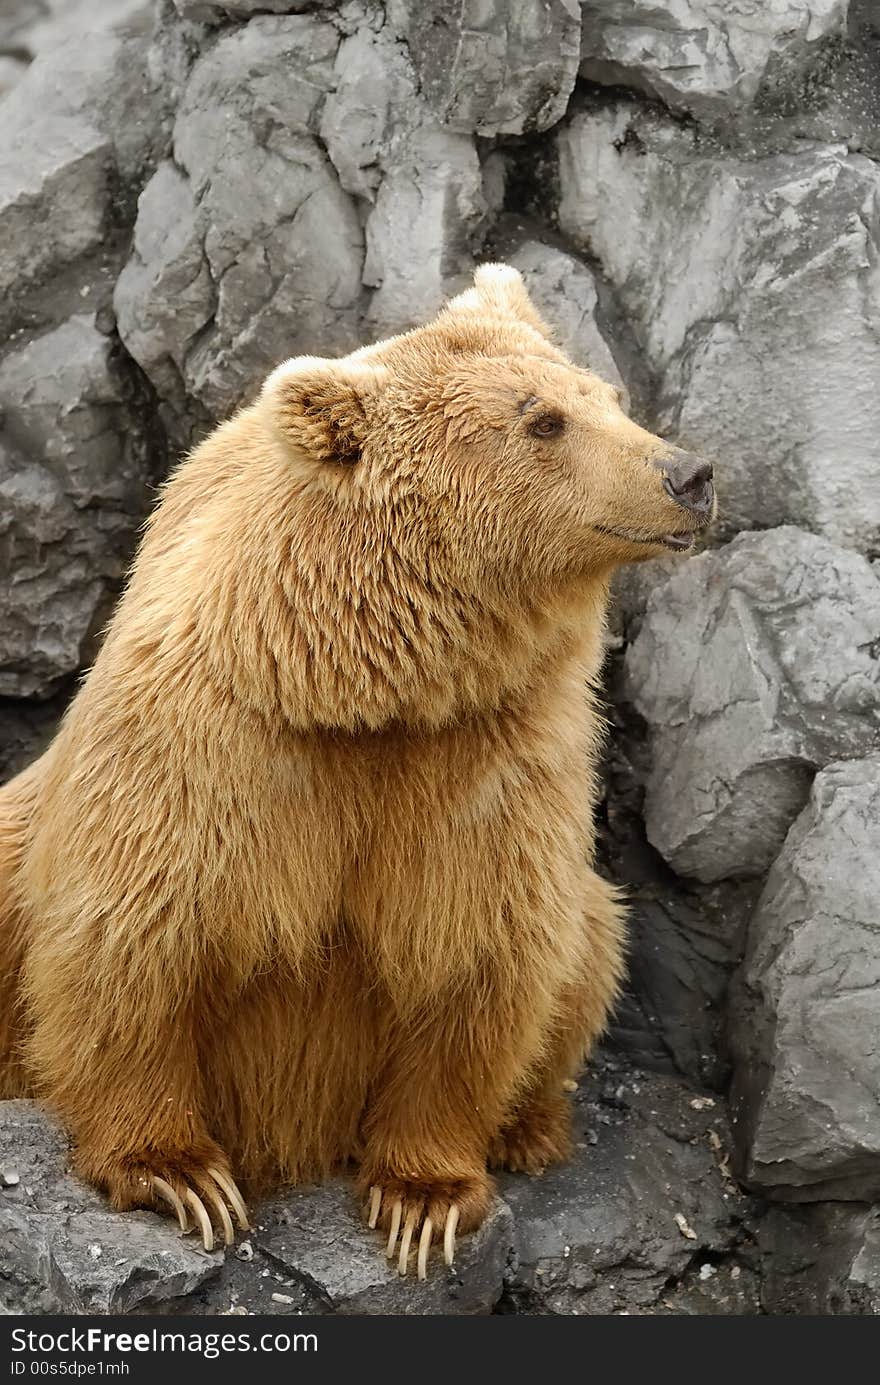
x,y
679,541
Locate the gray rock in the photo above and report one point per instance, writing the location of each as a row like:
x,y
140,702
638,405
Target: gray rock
x,y
18,18
563,290
645,1197
821,1260
244,9
12,69
686,938
753,287
684,944
316,1237
56,23
374,102
422,184
421,230
84,120
73,480
807,1062
490,68
26,729
62,1250
54,191
31,27
266,250
704,56
165,296
753,666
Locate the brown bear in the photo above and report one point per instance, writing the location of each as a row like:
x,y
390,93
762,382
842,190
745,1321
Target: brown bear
x,y
304,880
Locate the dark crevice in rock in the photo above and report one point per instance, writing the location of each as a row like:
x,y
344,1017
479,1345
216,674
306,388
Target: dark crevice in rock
x,y
27,727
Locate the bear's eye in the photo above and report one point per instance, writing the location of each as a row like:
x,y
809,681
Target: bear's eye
x,y
547,425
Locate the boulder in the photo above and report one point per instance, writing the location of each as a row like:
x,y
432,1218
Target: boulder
x,y
55,23
754,665
420,232
17,22
421,182
646,1197
373,101
805,1023
685,942
266,249
753,287
703,56
73,480
62,1250
54,194
490,68
565,292
317,1236
628,1225
85,119
31,27
821,1260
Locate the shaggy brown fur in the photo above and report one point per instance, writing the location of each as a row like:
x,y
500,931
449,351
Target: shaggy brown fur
x,y
304,877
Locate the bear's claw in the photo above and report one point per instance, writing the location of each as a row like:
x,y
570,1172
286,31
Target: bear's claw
x,y
203,1221
192,1202
425,1237
449,1234
233,1196
424,1247
375,1204
165,1191
219,1206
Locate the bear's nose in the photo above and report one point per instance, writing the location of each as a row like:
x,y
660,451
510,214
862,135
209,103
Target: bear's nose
x,y
688,480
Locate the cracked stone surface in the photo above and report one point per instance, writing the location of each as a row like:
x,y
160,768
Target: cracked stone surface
x,y
412,170
85,114
703,56
61,1248
316,1238
29,28
805,1028
822,1259
244,9
490,68
564,291
627,1226
435,187
646,1199
73,482
754,288
754,666
685,943
248,227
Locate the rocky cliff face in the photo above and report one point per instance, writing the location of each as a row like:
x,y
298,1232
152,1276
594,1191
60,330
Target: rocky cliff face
x,y
189,192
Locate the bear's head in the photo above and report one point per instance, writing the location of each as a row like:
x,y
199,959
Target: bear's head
x,y
463,475
526,463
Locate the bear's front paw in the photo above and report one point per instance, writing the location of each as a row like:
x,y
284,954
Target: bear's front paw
x,y
421,1208
197,1187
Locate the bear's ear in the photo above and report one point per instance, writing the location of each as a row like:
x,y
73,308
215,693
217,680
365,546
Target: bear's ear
x,y
321,406
499,288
